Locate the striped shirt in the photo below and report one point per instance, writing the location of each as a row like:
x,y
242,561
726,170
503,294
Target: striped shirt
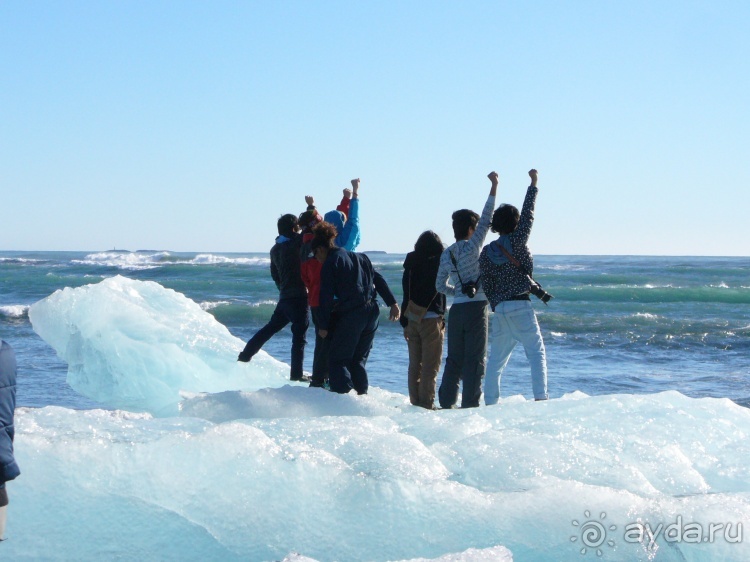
x,y
466,253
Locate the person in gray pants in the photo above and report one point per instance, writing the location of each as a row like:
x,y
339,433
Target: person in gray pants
x,y
458,275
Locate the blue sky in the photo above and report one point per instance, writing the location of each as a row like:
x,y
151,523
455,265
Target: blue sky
x,y
191,126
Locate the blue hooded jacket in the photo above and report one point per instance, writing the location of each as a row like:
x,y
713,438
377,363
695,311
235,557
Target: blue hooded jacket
x,y
8,467
348,230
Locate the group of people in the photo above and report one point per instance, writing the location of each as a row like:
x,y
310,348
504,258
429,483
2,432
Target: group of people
x,y
316,269
319,275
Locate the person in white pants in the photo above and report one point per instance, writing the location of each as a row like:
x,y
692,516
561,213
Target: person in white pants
x,y
506,267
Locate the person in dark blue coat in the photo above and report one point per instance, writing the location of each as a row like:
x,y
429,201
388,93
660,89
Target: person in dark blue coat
x,y
292,306
349,309
8,467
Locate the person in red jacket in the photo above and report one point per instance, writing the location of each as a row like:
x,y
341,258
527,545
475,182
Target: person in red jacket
x,y
310,272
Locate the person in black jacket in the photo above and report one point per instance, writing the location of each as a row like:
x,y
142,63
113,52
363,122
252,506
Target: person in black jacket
x,y
8,467
292,306
350,279
423,318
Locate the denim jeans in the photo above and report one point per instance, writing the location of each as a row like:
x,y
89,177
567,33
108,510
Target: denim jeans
x,y
320,355
296,311
467,347
351,342
512,322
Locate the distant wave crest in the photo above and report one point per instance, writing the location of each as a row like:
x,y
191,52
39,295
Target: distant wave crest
x,y
135,261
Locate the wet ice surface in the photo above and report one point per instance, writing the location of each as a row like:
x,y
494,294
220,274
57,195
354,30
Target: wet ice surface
x,y
286,472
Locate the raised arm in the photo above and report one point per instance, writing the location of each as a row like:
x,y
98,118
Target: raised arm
x,y
350,235
526,221
345,202
477,239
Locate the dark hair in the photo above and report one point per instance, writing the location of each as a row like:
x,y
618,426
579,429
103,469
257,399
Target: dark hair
x,y
463,220
505,219
429,244
287,225
308,219
324,234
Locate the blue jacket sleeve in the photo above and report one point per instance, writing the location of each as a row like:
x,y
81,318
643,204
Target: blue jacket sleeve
x,y
381,286
350,236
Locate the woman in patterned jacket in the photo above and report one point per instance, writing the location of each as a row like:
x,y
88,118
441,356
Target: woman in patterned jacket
x,y
506,266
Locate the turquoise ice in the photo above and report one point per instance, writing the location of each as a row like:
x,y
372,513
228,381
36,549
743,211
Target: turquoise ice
x,y
252,468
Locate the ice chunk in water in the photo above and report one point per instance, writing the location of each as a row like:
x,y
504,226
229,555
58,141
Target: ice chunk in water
x,y
135,345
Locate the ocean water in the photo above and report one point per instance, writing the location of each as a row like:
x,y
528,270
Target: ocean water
x,y
617,324
141,438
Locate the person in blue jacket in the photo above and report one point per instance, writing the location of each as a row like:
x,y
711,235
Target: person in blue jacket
x,y
8,467
348,280
346,221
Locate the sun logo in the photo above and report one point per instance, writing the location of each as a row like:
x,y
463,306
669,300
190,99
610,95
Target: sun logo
x,y
593,534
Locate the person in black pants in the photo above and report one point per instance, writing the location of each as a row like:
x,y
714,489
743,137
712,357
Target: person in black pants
x,y
292,306
349,278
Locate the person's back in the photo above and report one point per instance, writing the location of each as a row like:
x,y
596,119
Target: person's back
x,y
285,266
350,279
501,279
458,275
421,271
422,318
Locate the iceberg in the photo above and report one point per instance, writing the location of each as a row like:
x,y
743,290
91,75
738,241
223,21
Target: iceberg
x,y
136,345
282,472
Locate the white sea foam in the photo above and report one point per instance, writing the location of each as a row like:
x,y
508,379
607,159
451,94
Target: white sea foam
x,y
267,302
563,267
645,315
280,471
133,261
210,305
14,310
136,261
22,261
212,259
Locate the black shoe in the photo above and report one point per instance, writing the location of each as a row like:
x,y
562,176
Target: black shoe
x,y
303,378
244,356
317,384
